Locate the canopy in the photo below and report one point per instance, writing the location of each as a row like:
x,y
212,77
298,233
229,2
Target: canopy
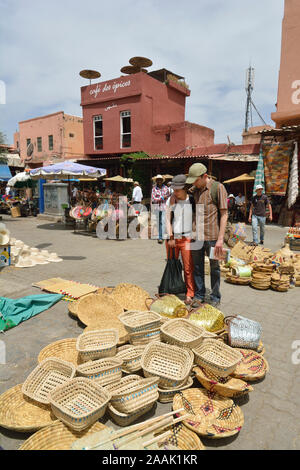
x,y
119,179
20,180
5,173
240,179
66,168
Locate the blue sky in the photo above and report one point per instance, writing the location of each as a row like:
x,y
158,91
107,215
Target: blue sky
x,y
44,45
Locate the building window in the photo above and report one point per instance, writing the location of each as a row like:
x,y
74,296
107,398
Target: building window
x,y
39,144
71,135
168,137
125,129
50,138
98,132
28,141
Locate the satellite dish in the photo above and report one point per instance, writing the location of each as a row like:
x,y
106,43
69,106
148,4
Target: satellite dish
x,y
129,69
90,74
140,62
30,149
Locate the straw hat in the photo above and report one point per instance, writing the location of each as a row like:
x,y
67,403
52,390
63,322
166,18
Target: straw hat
x,y
34,250
54,258
19,243
38,259
25,263
4,237
45,253
12,241
159,177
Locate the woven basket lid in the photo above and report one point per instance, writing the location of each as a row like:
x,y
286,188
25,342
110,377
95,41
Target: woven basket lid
x,y
224,386
20,413
97,308
73,306
253,366
183,438
57,437
63,349
130,296
209,414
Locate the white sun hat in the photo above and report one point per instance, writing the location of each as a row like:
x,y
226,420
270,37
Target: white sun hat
x,y
25,263
54,258
4,237
34,250
45,253
12,241
38,259
19,243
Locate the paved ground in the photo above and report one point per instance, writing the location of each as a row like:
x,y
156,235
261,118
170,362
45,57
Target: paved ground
x,y
272,411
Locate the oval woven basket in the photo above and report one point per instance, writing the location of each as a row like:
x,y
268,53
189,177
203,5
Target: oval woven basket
x,y
64,349
183,438
46,377
97,344
253,366
132,396
123,419
20,413
182,333
131,357
135,320
103,371
57,437
142,338
166,396
130,296
96,308
224,386
217,356
209,414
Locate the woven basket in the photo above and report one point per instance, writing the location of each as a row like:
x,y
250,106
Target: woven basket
x,y
96,308
181,332
209,414
130,296
183,438
253,366
217,356
57,437
64,349
123,419
133,396
46,377
128,380
79,403
131,357
124,338
166,396
170,363
207,317
135,321
103,371
73,306
20,413
240,281
142,338
224,386
97,344
243,332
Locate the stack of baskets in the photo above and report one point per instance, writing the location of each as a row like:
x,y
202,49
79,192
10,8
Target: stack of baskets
x,y
280,282
261,275
142,327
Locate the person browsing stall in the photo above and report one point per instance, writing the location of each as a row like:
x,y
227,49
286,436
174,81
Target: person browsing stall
x,y
257,214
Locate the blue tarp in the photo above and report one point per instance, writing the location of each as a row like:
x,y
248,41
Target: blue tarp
x,y
5,173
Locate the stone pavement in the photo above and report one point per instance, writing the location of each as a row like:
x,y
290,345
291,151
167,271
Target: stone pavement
x,y
272,410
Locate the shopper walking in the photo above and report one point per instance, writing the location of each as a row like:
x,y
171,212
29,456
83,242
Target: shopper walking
x,y
212,196
257,214
159,196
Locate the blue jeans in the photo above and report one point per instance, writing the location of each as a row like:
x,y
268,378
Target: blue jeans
x,y
199,273
261,221
161,224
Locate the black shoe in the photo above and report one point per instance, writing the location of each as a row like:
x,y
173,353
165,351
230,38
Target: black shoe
x,y
160,241
261,242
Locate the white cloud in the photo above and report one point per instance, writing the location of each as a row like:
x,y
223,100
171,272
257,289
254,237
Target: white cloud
x,y
210,42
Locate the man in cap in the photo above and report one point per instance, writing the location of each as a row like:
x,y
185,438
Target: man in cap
x,y
179,223
257,214
159,196
211,197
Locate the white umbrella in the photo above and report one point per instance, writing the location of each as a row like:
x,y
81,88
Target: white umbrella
x,y
19,178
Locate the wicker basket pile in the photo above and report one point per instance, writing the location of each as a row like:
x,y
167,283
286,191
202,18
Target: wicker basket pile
x,y
261,275
280,282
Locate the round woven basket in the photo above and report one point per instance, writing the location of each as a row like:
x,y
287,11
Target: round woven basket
x,y
240,281
57,437
209,414
20,413
130,296
63,349
183,438
224,386
73,306
253,366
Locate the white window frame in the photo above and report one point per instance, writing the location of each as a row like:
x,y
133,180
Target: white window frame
x,y
96,119
124,114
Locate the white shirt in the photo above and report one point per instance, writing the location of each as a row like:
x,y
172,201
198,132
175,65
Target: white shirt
x,y
137,194
240,200
183,217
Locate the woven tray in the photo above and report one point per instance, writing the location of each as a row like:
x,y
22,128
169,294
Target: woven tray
x,y
209,414
103,371
46,377
64,349
224,386
72,289
171,363
253,366
20,413
97,344
57,437
181,332
130,296
240,281
98,308
166,396
135,321
217,356
79,403
131,357
133,396
143,338
183,438
123,419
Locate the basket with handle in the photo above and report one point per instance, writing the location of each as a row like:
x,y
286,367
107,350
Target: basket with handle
x,y
79,403
48,375
135,395
217,356
135,321
243,332
170,363
168,306
103,371
97,344
131,357
183,333
142,338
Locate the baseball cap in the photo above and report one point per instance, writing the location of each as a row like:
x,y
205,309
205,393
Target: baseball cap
x,y
259,186
196,170
178,182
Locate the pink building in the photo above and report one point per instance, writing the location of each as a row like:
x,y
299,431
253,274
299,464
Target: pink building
x,y
55,137
139,112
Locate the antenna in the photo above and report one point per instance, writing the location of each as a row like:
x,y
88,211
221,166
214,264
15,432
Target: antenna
x,y
249,86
